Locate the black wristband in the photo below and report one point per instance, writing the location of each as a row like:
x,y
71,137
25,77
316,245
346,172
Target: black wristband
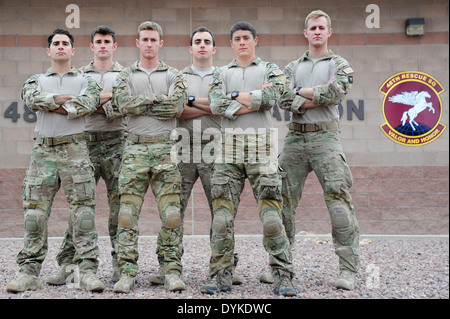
x,y
191,99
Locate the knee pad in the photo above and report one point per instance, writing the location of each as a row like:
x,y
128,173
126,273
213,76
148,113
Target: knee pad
x,y
85,220
126,218
128,204
172,217
166,200
341,221
340,216
220,222
272,224
34,219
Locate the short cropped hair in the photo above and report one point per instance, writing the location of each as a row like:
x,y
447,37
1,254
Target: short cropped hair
x,y
243,25
150,25
203,29
104,30
317,14
60,31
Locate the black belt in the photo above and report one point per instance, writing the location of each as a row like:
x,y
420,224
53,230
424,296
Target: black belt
x,y
53,141
100,136
149,139
304,128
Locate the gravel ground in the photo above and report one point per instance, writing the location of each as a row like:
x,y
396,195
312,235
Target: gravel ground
x,y
390,269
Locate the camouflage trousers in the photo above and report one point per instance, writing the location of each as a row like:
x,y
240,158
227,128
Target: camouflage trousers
x,y
52,166
227,184
322,153
144,165
106,156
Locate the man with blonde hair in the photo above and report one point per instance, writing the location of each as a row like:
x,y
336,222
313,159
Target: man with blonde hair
x,y
315,85
153,95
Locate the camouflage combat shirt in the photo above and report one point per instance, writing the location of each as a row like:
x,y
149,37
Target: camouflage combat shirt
x,y
251,78
112,121
330,76
141,96
39,91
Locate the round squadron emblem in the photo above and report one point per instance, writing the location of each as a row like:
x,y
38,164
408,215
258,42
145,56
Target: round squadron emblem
x,y
412,108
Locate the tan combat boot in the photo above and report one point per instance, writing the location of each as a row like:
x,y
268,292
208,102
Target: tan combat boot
x,y
157,278
125,284
90,282
346,280
59,277
236,279
24,282
266,277
173,282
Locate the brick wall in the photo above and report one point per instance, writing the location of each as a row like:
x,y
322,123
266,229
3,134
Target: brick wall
x,y
398,189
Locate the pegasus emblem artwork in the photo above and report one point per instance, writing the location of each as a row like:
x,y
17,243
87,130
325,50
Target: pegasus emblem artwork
x,y
418,102
412,108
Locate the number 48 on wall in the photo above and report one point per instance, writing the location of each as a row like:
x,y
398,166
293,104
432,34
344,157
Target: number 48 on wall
x,y
12,113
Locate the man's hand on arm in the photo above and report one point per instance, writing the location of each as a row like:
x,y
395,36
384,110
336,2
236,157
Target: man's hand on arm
x,y
202,104
63,98
104,97
60,100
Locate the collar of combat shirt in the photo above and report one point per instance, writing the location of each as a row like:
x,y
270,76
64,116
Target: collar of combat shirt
x,y
90,67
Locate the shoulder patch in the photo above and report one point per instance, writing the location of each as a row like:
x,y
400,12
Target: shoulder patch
x,y
348,70
277,72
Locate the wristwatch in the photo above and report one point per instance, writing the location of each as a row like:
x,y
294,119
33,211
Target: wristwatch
x,y
234,95
297,91
191,100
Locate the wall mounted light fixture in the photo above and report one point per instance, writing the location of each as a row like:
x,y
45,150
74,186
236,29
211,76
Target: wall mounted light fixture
x,y
415,26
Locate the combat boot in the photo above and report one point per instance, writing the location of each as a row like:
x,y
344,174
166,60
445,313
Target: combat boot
x,y
282,283
90,282
125,284
346,280
236,279
222,281
157,278
266,277
24,282
173,282
59,277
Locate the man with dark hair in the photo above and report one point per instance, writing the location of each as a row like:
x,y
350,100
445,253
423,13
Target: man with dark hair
x,y
202,29
60,32
105,137
245,26
103,30
243,94
60,157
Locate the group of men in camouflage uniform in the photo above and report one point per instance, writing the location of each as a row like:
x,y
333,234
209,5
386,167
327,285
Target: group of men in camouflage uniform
x,y
119,123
